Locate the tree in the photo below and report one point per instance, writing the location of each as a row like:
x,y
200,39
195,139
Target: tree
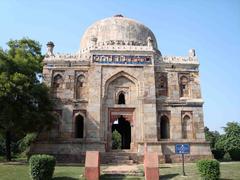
x,y
25,103
211,136
230,141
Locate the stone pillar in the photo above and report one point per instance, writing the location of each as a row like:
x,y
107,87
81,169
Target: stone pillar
x,y
92,165
149,105
151,166
94,104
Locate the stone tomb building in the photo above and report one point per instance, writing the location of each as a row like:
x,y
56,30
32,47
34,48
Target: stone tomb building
x,y
119,80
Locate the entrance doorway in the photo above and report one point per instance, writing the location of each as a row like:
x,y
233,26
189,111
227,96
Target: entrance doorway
x,y
122,126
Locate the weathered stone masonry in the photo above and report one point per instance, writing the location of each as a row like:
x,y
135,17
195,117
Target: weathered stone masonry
x,y
120,76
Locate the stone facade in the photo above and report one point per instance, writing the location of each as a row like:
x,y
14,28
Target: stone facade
x,y
119,75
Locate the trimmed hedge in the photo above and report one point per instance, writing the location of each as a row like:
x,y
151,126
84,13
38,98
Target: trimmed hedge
x,y
42,167
209,169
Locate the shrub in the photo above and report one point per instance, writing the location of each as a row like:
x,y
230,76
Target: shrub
x,y
25,142
227,157
209,169
116,140
42,167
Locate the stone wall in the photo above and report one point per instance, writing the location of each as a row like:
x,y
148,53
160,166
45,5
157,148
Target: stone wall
x,y
166,86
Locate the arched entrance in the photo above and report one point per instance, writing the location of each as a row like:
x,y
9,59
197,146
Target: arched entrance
x,y
124,128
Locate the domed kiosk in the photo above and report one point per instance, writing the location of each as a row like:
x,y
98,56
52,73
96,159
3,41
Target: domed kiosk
x,y
118,82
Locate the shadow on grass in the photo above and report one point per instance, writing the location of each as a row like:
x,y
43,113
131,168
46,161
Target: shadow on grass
x,y
112,176
168,176
64,178
164,167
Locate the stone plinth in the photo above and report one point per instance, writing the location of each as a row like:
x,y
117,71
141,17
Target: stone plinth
x,y
92,165
151,166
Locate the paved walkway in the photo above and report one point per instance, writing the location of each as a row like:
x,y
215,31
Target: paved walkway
x,y
134,169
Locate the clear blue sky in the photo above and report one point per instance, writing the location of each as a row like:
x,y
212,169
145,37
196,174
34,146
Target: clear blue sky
x,y
212,27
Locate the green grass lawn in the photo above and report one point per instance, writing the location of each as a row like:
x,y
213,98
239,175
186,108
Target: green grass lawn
x,y
14,171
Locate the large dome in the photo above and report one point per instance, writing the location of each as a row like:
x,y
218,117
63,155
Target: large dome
x,y
117,28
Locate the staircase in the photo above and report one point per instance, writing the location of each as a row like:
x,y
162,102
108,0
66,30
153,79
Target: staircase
x,y
118,157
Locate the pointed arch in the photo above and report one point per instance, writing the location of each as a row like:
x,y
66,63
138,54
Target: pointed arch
x,y
80,86
162,85
57,85
79,126
57,81
186,127
121,74
164,127
184,86
121,98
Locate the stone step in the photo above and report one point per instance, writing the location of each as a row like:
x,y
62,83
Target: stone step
x,y
121,157
115,161
117,157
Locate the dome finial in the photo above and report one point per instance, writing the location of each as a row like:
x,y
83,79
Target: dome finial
x,y
118,15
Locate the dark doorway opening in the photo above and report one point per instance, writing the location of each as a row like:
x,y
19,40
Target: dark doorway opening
x,y
123,127
79,126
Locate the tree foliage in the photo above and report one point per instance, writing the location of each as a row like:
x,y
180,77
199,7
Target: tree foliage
x,y
230,141
211,136
25,104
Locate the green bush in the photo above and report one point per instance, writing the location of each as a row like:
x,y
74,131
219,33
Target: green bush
x,y
227,157
25,142
42,167
116,140
209,169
